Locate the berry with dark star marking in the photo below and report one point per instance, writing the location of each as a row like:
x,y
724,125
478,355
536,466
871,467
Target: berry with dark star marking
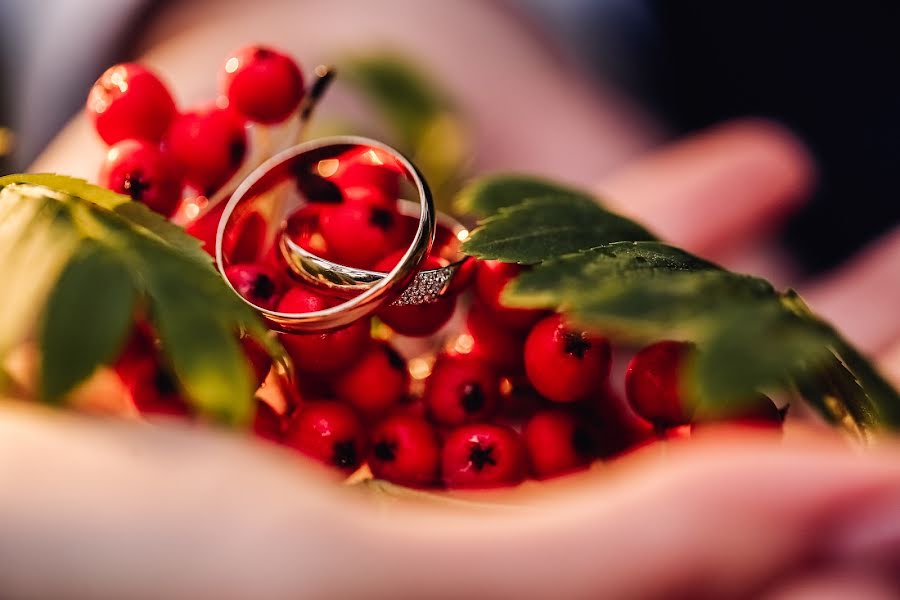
x,y
461,390
145,173
483,455
405,450
565,364
329,432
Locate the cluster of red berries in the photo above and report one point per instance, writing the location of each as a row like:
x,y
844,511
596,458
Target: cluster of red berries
x,y
159,155
518,393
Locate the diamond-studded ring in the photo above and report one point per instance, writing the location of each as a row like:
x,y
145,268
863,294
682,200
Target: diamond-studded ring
x,y
269,199
427,286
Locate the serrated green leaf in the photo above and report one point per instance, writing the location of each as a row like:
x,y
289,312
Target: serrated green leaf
x,y
837,395
199,337
35,244
543,228
751,349
884,400
659,305
554,282
72,186
136,215
198,317
851,386
607,274
485,196
155,225
86,319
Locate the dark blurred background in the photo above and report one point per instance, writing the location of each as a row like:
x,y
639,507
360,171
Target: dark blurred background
x,y
828,70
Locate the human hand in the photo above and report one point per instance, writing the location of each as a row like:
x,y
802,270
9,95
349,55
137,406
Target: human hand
x,y
102,509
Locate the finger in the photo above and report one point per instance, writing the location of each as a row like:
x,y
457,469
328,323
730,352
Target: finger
x,y
835,585
714,518
728,183
546,119
108,506
862,297
120,510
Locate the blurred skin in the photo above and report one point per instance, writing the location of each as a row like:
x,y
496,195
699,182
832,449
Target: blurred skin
x,y
102,509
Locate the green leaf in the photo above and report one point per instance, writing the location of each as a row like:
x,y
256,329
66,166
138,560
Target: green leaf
x,y
555,281
203,350
72,186
680,304
850,388
883,397
138,216
749,350
35,244
155,225
86,319
198,320
607,274
487,195
838,396
542,228
197,316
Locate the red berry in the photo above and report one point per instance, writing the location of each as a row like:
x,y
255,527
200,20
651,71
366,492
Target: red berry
x,y
358,234
518,401
370,195
267,423
481,455
461,390
129,101
258,358
491,277
498,346
405,450
558,443
262,84
154,390
255,282
565,365
302,227
377,382
140,346
205,227
329,432
653,383
159,395
316,385
322,353
152,386
209,145
619,427
142,171
417,320
366,171
244,238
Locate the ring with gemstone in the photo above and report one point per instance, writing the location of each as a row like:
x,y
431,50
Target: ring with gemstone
x,y
277,204
427,286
